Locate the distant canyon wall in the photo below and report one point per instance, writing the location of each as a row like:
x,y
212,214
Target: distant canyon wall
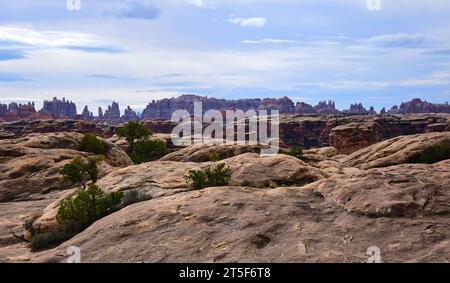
x,y
163,109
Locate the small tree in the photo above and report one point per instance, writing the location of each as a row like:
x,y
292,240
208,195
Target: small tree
x,y
197,179
82,170
133,131
88,206
296,152
217,176
148,150
91,143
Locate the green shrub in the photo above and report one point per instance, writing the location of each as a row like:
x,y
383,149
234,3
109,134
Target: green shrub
x,y
148,150
297,152
215,157
88,206
133,131
432,154
90,143
82,170
219,175
50,239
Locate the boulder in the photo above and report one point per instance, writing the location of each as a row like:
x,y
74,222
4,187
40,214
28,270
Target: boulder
x,y
254,170
327,152
394,151
204,152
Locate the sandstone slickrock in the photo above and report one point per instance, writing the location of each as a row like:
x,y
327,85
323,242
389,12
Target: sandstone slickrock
x,y
403,210
154,179
250,169
323,151
407,190
394,151
322,155
163,178
202,152
29,166
330,207
12,216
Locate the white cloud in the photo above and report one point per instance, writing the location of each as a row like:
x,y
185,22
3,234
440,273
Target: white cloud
x,y
248,22
208,4
46,38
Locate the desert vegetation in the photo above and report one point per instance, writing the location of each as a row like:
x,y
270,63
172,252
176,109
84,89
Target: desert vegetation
x,y
77,212
91,143
296,152
219,175
432,154
214,157
82,170
141,149
88,206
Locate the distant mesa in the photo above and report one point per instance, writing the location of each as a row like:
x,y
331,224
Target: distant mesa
x,y
418,106
163,109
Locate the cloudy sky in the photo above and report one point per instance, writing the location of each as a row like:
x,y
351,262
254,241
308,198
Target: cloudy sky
x,y
310,50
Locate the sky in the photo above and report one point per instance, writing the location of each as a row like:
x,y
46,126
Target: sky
x,y
136,51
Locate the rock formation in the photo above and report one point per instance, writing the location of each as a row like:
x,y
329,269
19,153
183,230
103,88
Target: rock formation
x,y
86,114
326,108
394,151
112,113
15,111
416,106
203,153
350,137
60,108
327,207
18,129
130,115
332,220
164,108
349,134
100,113
31,164
358,109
